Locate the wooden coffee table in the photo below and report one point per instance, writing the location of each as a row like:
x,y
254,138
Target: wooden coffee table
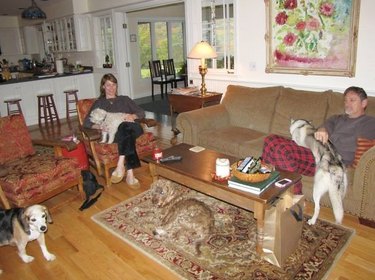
x,y
195,169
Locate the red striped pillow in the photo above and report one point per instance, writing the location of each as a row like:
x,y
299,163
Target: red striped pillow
x,y
363,145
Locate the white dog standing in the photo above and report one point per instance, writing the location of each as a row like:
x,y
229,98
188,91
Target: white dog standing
x,y
108,123
330,175
21,225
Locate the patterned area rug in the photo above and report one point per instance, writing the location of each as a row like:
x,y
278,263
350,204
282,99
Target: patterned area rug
x,y
230,251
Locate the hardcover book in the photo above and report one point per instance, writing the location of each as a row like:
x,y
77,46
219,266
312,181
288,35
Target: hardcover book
x,y
255,188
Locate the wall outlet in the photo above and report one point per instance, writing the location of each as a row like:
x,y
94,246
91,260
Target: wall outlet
x,y
190,82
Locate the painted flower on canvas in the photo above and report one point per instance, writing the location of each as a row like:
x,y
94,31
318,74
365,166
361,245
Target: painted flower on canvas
x,y
312,32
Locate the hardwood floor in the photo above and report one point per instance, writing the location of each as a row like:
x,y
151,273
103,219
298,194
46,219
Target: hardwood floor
x,y
86,251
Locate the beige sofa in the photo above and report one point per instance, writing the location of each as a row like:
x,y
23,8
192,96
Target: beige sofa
x,y
246,115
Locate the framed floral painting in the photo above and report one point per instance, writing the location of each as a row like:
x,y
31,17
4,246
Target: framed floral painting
x,y
312,37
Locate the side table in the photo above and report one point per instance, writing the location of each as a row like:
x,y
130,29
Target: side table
x,y
180,103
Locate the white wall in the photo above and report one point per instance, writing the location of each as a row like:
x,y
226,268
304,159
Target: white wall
x,y
142,87
252,49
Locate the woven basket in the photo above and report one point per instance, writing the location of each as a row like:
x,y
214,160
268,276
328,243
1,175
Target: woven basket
x,y
252,178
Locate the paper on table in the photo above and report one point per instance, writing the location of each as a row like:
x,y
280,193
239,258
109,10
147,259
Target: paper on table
x,y
197,149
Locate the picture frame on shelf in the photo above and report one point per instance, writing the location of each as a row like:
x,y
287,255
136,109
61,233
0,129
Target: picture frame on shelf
x,y
312,37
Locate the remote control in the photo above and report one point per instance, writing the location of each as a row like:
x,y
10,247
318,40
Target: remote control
x,y
171,158
244,163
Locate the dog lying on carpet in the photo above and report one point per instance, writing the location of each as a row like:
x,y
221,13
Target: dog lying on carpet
x,y
108,123
18,226
330,175
181,216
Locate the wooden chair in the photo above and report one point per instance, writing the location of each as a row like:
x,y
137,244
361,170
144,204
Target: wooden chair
x,y
158,77
170,73
103,157
28,177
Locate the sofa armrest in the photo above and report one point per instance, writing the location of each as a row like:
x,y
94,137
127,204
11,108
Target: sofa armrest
x,y
364,180
192,122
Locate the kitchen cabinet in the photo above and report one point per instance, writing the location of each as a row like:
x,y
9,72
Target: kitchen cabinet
x,y
31,36
68,34
10,41
28,92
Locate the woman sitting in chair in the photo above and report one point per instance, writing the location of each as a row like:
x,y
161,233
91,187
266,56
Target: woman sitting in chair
x,y
127,132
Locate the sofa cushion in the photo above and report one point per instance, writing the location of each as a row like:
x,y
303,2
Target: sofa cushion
x,y
251,107
298,104
228,140
253,147
335,104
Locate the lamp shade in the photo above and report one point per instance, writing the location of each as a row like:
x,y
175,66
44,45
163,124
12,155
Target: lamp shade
x,y
33,12
202,50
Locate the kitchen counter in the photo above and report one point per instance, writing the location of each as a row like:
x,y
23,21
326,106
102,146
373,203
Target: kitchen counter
x,y
37,77
28,89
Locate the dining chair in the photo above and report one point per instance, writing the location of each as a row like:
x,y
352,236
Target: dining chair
x,y
29,176
170,72
104,157
158,77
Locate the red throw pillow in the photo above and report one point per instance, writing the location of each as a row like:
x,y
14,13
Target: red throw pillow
x,y
363,145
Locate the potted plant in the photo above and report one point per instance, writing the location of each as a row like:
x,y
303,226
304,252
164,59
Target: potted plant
x,y
107,64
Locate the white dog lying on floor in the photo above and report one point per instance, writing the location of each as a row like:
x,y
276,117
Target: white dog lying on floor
x,y
108,123
21,225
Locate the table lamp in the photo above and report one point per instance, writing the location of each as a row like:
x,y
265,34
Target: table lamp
x,y
202,50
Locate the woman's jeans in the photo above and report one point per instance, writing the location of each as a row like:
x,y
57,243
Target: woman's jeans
x,y
126,135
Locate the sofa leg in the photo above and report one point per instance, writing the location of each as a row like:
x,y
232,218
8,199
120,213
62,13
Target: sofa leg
x,y
367,222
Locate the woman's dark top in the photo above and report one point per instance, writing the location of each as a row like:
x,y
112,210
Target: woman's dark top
x,y
119,104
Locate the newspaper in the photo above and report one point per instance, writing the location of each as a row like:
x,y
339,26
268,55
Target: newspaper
x,y
186,91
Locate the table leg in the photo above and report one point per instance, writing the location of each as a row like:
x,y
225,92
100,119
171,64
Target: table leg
x,y
171,113
153,173
259,213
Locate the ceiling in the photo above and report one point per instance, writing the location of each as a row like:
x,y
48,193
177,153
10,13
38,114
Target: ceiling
x,y
15,7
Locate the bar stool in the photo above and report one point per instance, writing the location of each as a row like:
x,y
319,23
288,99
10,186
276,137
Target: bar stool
x,y
71,98
47,108
13,102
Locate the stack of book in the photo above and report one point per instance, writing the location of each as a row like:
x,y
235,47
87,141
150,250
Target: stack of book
x,y
255,188
186,91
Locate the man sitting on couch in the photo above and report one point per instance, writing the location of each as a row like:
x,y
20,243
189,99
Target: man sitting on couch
x,y
342,130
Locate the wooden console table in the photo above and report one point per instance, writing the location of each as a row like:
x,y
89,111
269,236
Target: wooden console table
x,y
180,103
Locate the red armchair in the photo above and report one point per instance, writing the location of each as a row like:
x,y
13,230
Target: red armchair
x,y
103,157
27,177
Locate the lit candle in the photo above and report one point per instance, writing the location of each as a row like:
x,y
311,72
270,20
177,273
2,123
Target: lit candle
x,y
222,167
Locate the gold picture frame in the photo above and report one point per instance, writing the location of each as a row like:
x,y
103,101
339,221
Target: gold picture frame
x,y
311,37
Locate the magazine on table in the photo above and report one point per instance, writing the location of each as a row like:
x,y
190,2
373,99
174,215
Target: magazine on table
x,y
186,91
255,188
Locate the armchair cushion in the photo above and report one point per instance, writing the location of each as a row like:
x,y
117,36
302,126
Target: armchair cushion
x,y
108,152
36,175
15,141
